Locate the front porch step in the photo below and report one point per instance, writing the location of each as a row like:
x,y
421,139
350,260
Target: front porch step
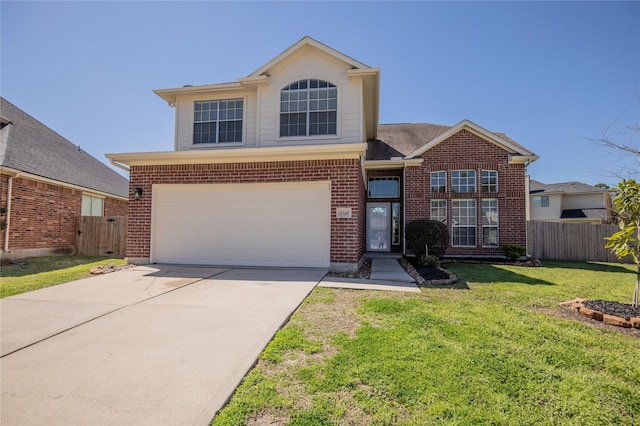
x,y
388,269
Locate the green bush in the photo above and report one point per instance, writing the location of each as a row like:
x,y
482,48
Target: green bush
x,y
431,233
513,251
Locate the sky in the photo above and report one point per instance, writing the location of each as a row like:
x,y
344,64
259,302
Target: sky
x,y
554,76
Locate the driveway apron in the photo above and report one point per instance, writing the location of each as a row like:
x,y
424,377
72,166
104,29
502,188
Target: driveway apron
x,y
163,345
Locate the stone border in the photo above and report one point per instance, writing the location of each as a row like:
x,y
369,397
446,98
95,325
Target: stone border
x,y
577,305
408,267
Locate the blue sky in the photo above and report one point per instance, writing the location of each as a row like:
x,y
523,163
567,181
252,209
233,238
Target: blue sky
x,y
552,75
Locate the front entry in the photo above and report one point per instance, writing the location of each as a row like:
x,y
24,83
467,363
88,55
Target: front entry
x,y
378,226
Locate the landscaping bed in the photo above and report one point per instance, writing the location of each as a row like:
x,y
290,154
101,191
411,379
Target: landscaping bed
x,y
609,312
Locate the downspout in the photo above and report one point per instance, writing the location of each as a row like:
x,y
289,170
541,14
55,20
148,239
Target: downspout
x,y
8,214
404,209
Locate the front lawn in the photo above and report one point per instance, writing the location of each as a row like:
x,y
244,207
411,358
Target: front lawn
x,y
34,273
487,351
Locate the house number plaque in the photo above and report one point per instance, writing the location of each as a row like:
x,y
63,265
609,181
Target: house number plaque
x,y
343,212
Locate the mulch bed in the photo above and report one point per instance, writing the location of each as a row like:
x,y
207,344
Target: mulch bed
x,y
618,309
610,313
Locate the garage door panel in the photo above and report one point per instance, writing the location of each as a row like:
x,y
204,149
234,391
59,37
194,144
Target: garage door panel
x,y
284,224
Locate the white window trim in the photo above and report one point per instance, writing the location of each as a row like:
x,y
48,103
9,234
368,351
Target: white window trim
x,y
475,181
431,181
219,144
497,225
453,223
536,201
310,138
442,200
92,196
396,178
497,187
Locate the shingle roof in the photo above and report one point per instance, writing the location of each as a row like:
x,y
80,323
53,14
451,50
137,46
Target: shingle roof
x,y
400,140
600,214
29,146
536,187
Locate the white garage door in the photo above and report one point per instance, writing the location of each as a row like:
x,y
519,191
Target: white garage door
x,y
281,224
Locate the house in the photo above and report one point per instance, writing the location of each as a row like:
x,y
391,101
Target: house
x,y
290,167
569,202
46,182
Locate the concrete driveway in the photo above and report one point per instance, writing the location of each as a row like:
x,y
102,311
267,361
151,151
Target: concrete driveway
x,y
153,345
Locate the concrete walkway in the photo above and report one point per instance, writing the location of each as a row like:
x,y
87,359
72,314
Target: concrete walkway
x,y
386,274
163,345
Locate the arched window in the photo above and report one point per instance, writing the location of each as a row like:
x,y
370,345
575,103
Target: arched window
x,y
308,108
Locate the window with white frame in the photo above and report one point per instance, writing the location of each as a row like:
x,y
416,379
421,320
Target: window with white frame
x,y
218,121
463,218
309,108
439,181
439,210
490,222
92,205
384,187
463,181
540,201
489,181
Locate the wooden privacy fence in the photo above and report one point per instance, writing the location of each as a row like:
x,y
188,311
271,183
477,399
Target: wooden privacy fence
x,y
101,235
570,241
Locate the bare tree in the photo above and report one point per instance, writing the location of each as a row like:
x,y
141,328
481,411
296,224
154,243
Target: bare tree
x,y
621,141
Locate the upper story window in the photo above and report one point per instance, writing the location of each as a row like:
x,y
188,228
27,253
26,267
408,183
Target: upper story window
x,y
218,121
489,181
384,187
463,180
439,181
92,206
540,201
309,108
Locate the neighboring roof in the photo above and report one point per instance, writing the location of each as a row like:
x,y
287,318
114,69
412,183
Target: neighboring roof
x,y
536,187
29,146
599,214
412,139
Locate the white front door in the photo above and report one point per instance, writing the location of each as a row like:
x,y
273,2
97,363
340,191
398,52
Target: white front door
x,y
378,226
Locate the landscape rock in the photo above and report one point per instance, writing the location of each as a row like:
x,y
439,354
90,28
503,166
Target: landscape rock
x,y
635,321
613,320
591,313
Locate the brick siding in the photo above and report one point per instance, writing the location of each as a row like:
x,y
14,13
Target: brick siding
x,y
347,235
43,215
467,151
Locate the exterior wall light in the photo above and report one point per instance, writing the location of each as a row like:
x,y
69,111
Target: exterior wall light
x,y
137,193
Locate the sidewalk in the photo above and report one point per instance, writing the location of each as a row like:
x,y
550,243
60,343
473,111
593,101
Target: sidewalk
x,y
386,274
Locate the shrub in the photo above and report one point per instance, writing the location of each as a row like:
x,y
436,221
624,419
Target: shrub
x,y
513,251
429,260
431,233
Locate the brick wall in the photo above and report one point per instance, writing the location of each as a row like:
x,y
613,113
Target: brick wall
x,y
43,215
347,235
463,151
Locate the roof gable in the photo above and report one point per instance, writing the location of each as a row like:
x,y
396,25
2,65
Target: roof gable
x,y
501,141
304,43
29,146
410,140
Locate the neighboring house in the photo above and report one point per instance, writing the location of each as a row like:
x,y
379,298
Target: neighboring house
x,y
46,181
290,167
569,202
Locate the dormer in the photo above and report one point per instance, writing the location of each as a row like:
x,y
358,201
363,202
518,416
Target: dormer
x,y
309,94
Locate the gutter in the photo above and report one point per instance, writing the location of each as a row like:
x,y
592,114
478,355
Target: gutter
x,y
118,165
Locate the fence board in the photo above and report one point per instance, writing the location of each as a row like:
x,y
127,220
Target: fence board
x,y
570,241
101,235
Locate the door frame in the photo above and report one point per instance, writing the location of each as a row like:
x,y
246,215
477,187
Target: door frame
x,y
369,232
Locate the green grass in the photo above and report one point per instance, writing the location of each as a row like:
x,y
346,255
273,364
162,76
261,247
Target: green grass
x,y
41,272
487,351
